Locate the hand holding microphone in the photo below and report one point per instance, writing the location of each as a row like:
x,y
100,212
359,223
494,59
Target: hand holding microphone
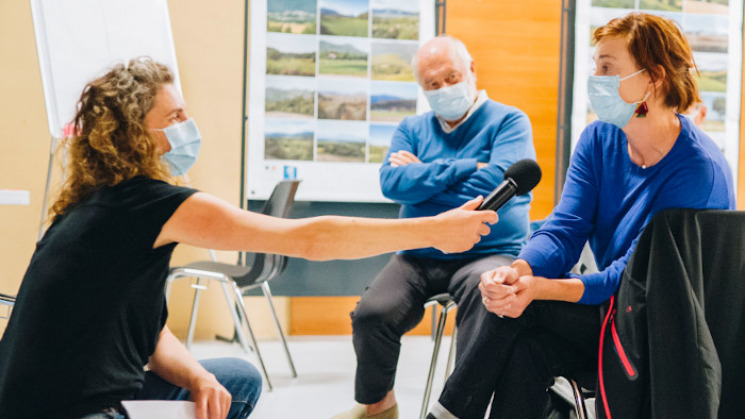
x,y
519,179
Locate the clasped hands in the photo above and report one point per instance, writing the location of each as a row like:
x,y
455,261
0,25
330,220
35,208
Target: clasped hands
x,y
505,292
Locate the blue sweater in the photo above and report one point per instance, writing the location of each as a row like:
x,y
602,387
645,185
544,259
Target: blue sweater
x,y
447,177
608,200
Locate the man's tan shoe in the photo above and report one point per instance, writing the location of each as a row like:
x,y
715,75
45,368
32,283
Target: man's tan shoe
x,y
359,411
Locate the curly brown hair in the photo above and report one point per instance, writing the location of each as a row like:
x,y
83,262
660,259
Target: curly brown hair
x,y
110,143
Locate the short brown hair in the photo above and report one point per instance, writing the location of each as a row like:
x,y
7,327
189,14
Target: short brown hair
x,y
655,42
110,143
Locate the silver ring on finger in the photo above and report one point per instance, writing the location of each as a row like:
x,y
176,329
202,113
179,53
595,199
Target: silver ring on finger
x,y
485,300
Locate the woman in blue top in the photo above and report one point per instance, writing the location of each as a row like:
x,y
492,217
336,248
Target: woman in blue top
x,y
640,158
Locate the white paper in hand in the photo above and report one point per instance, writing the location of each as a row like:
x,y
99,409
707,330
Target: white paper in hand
x,y
160,409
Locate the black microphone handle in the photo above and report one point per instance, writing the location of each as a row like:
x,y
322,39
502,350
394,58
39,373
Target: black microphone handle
x,y
500,195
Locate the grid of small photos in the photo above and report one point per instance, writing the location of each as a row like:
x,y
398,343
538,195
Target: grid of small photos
x,y
705,24
338,77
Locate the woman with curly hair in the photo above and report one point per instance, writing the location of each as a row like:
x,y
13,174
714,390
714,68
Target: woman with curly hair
x,y
91,312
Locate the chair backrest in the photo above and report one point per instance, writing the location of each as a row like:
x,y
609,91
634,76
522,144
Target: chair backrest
x,y
266,266
281,199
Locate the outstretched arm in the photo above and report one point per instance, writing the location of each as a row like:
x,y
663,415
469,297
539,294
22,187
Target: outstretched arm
x,y
173,363
206,221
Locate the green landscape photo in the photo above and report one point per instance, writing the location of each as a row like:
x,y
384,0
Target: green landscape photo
x,y
712,81
395,19
623,4
392,101
289,97
392,61
712,71
288,140
344,17
343,56
290,55
344,99
291,16
666,5
341,141
379,141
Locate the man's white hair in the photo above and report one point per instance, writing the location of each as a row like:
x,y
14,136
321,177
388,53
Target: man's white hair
x,y
458,52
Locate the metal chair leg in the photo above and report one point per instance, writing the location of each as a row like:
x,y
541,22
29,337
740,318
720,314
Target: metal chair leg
x,y
579,400
169,281
451,353
244,314
268,295
433,363
237,324
194,308
434,322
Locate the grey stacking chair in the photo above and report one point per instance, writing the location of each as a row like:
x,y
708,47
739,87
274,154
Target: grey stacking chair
x,y
9,301
446,303
244,277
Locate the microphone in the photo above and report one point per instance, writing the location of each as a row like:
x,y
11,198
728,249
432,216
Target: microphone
x,y
519,179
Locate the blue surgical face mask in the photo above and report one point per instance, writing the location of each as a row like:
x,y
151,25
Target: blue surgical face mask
x,y
185,143
606,101
450,102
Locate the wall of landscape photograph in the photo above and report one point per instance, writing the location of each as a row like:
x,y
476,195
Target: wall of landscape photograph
x,y
337,78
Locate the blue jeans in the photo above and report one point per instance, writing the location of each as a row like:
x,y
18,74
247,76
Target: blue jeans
x,y
238,376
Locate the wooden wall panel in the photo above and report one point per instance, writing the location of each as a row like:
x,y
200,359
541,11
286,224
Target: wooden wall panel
x,y
330,316
515,46
740,172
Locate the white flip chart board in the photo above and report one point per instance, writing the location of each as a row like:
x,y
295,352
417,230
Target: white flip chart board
x,y
79,40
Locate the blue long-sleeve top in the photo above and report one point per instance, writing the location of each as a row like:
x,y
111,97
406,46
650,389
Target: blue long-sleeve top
x,y
608,200
448,177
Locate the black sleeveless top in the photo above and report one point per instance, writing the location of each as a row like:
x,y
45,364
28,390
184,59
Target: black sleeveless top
x,y
91,305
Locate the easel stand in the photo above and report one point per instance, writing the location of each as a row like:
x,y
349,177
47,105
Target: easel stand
x,y
45,200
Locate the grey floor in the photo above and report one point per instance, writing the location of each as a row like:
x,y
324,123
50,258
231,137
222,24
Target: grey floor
x,y
325,366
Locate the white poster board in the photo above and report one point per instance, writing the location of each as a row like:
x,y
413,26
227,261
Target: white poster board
x,y
714,31
329,82
79,40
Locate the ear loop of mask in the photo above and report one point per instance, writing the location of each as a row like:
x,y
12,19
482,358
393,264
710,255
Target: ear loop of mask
x,y
642,109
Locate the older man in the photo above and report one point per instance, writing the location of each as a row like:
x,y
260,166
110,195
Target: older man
x,y
436,162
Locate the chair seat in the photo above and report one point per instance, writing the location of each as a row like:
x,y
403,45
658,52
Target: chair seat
x,y
227,269
7,299
441,299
